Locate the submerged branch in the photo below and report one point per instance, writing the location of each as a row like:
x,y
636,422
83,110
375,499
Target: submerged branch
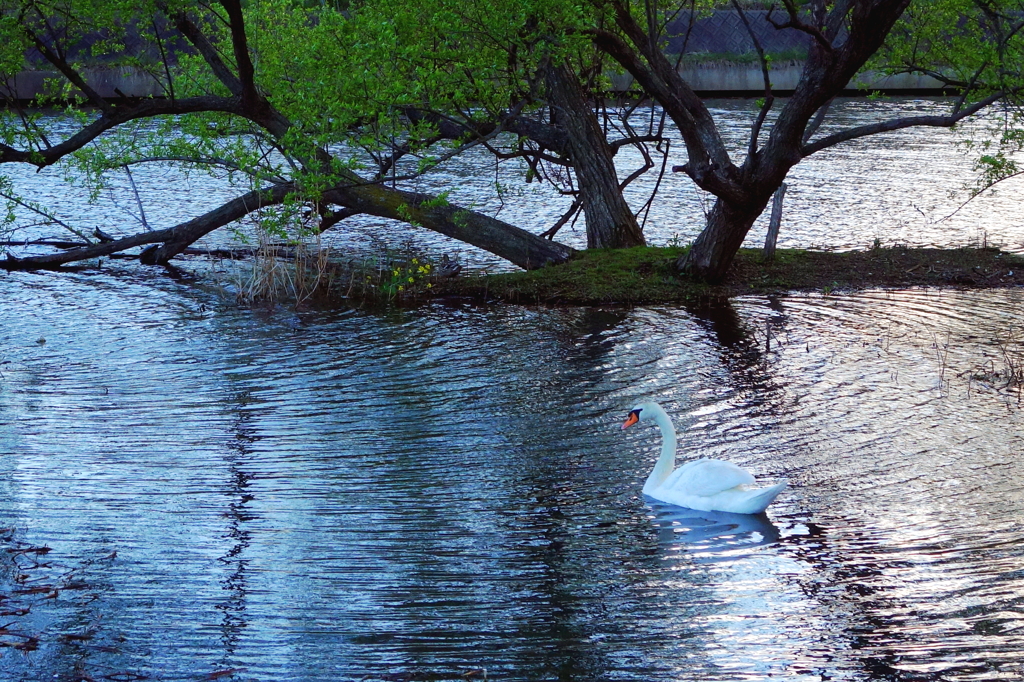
x,y
173,239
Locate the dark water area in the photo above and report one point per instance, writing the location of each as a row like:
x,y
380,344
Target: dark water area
x,y
243,494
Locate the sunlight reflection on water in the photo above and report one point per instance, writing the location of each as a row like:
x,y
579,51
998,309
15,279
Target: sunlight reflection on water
x,y
324,496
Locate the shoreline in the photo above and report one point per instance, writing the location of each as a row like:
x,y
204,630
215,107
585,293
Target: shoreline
x,y
646,275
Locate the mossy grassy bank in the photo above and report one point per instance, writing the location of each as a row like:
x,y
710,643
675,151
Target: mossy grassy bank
x,y
646,275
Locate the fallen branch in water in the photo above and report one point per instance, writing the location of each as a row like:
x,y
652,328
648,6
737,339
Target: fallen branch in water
x,y
276,250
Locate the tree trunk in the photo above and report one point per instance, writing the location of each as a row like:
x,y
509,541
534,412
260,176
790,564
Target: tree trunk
x,y
712,253
610,221
514,244
774,224
845,35
522,248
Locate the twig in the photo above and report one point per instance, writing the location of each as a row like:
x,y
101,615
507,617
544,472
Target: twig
x,y
573,210
51,218
650,200
769,98
138,199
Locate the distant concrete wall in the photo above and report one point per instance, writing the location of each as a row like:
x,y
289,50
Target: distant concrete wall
x,y
131,81
725,77
707,79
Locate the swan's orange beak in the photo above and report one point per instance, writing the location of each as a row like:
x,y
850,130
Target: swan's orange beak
x,y
633,418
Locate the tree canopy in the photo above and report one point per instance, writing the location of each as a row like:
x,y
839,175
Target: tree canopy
x,y
321,113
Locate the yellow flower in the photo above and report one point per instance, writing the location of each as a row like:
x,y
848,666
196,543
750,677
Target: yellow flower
x,y
411,280
415,262
401,288
429,285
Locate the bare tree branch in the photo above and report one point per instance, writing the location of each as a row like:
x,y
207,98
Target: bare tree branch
x,y
796,22
50,218
119,115
819,118
169,88
138,199
329,219
769,98
577,204
71,74
897,124
191,31
174,239
246,71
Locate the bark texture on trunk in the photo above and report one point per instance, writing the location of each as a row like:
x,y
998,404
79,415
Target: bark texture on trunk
x,y
610,221
525,249
710,256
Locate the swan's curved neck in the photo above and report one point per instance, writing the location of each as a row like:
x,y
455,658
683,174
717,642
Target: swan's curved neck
x,y
667,462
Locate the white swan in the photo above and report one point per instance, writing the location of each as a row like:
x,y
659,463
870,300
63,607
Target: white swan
x,y
703,484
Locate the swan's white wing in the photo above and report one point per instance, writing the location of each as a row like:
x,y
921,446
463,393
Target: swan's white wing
x,y
706,477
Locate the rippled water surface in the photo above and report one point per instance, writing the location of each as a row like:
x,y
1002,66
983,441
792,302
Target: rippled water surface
x,y
326,496
194,491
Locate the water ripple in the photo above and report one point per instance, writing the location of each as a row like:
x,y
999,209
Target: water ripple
x,y
327,496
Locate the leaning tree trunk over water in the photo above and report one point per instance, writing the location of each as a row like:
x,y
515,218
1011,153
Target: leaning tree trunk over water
x,y
514,244
247,101
610,221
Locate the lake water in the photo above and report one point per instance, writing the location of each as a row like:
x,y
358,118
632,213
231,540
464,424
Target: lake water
x,y
251,494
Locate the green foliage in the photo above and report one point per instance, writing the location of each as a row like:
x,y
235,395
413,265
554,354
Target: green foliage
x,y
968,43
439,201
405,278
344,75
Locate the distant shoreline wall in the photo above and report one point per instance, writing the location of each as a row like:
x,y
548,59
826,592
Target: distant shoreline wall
x,y
746,80
711,79
721,62
108,81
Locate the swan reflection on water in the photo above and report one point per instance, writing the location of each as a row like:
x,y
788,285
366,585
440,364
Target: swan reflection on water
x,y
711,536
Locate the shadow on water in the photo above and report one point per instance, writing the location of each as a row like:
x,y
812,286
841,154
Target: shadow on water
x,y
744,350
239,518
559,519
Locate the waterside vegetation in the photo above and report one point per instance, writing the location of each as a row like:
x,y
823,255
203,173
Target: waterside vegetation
x,y
645,275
